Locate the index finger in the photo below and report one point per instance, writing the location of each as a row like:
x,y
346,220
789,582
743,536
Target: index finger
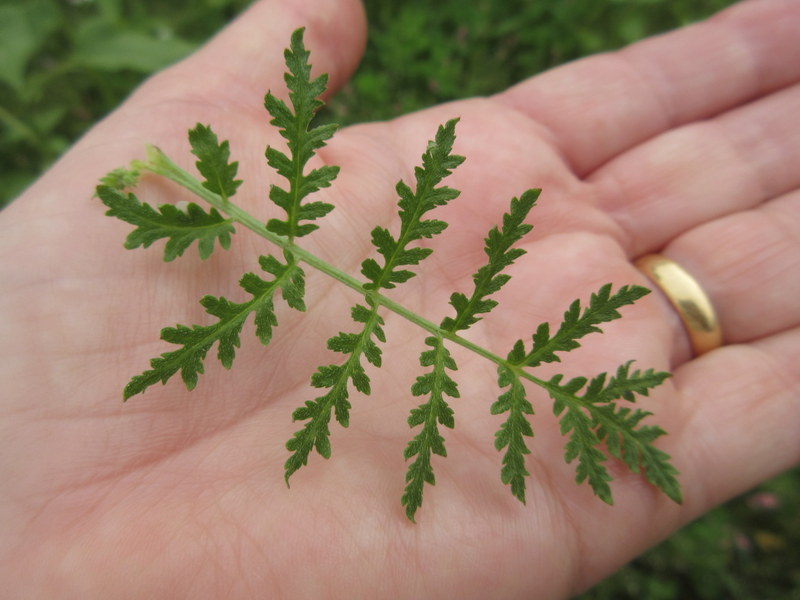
x,y
624,98
246,58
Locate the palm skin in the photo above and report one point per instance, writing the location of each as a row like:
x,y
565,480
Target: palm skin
x,y
683,144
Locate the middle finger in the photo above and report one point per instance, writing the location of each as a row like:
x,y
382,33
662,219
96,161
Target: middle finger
x,y
703,171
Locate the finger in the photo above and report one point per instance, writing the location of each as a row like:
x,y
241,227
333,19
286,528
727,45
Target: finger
x,y
732,424
246,58
624,98
702,171
749,264
740,418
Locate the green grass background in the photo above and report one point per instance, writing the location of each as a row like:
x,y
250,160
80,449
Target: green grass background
x,y
66,63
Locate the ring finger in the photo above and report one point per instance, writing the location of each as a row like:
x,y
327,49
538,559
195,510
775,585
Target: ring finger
x,y
749,265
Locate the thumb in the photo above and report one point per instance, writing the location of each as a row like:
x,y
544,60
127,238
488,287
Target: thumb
x,y
246,58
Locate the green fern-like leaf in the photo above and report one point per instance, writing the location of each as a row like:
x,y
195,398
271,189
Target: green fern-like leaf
x,y
626,440
595,414
583,440
122,178
579,420
512,433
303,140
624,385
603,307
501,253
592,417
213,161
315,433
486,281
197,340
435,384
179,227
437,163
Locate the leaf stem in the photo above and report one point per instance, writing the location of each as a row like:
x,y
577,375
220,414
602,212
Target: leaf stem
x,y
160,164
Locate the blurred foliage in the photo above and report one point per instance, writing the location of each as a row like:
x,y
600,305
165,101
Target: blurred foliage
x,y
418,55
66,63
747,549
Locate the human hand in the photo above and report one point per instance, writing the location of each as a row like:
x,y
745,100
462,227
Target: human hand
x,y
682,144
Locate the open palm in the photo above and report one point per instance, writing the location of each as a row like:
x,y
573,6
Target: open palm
x,y
683,144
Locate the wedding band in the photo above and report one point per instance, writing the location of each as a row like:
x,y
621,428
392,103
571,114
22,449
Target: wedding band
x,y
688,298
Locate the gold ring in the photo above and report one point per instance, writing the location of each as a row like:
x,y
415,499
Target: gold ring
x,y
688,298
